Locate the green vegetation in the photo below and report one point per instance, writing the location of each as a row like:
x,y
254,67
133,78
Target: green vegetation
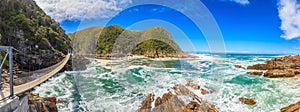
x,y
107,39
23,25
114,39
117,40
153,46
27,28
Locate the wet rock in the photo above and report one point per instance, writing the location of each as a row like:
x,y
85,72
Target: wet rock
x,y
191,84
158,101
287,66
171,102
40,104
166,97
146,104
291,108
248,101
239,66
279,73
50,104
255,73
204,92
258,67
192,107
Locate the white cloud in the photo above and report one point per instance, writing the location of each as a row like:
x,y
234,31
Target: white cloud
x,y
289,13
243,2
61,10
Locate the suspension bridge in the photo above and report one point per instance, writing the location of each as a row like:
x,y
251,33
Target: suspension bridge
x,y
6,94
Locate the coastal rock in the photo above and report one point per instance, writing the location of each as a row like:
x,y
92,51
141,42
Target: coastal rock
x,y
204,92
255,73
50,103
171,102
239,66
291,108
248,101
258,67
158,102
287,66
40,104
192,107
191,84
279,73
146,104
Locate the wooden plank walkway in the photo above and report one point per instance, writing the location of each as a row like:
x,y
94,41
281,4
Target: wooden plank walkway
x,y
29,85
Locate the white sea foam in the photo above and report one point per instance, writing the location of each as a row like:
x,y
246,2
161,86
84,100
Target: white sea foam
x,y
212,73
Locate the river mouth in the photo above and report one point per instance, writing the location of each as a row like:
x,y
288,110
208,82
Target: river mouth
x,y
123,89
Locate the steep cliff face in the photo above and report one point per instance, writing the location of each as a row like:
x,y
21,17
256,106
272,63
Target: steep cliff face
x,y
40,40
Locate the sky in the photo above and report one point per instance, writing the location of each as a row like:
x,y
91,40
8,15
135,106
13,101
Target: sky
x,y
247,26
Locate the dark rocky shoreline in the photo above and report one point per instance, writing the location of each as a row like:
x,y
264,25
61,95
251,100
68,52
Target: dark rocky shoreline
x,y
172,101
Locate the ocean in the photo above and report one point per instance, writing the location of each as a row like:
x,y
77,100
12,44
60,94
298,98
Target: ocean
x,y
122,89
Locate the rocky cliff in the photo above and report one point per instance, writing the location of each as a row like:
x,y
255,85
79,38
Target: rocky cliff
x,y
40,41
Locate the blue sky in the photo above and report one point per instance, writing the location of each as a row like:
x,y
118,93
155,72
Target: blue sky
x,y
254,26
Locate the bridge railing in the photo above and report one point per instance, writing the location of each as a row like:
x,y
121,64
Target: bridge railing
x,y
8,49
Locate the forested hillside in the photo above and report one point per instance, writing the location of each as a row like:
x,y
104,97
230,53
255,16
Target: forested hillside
x,y
40,40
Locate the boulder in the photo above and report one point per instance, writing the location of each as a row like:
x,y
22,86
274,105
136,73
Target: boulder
x,y
204,92
239,66
248,101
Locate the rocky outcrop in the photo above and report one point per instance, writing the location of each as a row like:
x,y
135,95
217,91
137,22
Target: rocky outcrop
x,y
280,73
239,66
248,101
40,104
287,66
255,73
173,101
291,108
258,67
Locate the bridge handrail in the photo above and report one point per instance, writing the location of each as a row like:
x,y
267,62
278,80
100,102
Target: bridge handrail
x,y
45,69
24,87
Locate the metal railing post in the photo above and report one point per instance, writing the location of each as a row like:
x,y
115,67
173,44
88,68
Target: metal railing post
x,y
0,78
11,73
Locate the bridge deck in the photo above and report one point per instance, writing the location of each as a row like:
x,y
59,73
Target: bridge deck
x,y
27,86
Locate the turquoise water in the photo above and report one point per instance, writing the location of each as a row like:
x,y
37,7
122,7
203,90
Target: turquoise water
x,y
123,89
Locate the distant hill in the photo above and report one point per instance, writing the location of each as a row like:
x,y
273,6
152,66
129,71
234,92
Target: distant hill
x,y
115,40
27,28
